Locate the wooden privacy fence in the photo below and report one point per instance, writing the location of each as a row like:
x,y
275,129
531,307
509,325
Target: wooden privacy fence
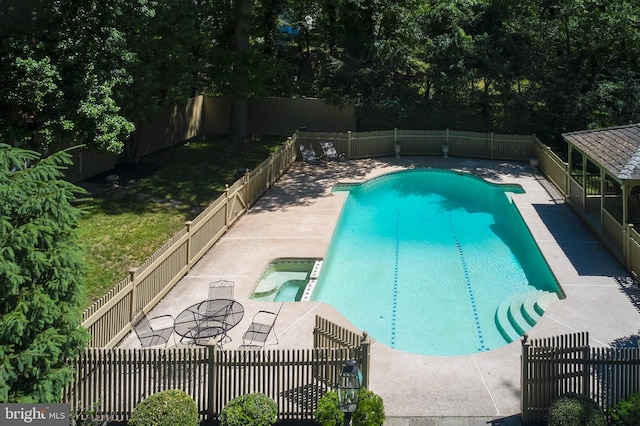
x,y
554,366
111,381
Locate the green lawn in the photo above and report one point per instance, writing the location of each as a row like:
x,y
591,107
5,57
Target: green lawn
x,y
123,227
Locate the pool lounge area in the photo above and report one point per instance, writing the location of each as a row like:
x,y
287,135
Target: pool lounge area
x,y
296,219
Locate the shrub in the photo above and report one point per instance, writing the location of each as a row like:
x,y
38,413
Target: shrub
x,y
327,412
167,408
254,409
575,410
627,411
370,410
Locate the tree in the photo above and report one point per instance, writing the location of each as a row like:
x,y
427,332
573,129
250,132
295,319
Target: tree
x,y
41,270
238,126
163,39
59,71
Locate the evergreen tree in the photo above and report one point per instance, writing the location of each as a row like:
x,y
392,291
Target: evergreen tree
x,y
41,270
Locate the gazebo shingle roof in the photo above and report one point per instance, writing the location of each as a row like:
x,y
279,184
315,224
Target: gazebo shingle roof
x,y
616,149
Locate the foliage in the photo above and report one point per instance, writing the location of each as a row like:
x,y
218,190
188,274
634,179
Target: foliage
x,y
574,409
171,407
60,70
41,271
370,411
327,412
254,409
627,411
89,417
97,68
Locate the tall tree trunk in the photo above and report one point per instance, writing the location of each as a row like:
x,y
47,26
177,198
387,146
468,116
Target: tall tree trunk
x,y
238,137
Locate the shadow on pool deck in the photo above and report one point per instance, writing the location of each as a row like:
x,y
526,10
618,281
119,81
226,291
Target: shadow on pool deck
x,y
296,218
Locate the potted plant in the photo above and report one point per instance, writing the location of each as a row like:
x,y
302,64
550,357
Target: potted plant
x,y
534,162
397,147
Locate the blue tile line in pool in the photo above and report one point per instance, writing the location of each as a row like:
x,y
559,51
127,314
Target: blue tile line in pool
x,y
472,298
394,307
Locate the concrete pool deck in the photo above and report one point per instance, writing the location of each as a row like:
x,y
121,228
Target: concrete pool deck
x,y
296,218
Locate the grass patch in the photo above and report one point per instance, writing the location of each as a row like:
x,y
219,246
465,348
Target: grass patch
x,y
125,226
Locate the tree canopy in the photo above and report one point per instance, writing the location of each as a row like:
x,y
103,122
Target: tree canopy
x,y
97,70
41,271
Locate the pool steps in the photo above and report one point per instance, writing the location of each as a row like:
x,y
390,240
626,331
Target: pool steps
x,y
516,316
313,279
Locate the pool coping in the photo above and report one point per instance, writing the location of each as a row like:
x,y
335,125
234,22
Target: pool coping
x,y
296,218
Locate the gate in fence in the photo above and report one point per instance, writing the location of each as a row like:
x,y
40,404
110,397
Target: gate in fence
x,y
554,366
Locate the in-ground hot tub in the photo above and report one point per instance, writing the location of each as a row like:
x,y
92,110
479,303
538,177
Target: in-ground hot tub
x,y
287,280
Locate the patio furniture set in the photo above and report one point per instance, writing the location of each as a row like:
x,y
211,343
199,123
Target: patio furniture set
x,y
329,152
207,322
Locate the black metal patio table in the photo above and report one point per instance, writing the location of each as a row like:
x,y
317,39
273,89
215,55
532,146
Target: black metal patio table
x,y
208,320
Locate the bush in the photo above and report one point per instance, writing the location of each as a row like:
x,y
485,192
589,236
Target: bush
x,y
167,408
370,410
627,412
254,409
575,410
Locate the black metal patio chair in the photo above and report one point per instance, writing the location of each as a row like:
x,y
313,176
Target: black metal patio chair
x,y
148,334
260,328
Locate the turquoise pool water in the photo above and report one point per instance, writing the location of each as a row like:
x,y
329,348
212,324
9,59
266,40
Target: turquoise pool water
x,y
435,262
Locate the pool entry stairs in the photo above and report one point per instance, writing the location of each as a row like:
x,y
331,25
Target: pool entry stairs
x,y
517,315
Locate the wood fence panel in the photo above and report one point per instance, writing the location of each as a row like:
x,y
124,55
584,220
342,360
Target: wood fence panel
x,y
421,142
157,276
634,250
552,166
236,202
372,144
207,228
257,184
616,375
512,147
552,367
613,230
109,317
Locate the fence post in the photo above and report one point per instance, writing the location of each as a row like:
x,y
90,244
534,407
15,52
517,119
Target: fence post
x,y
134,292
187,225
212,387
365,347
227,211
272,173
491,140
524,380
349,145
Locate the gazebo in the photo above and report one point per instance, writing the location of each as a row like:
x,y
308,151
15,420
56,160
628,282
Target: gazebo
x,y
604,179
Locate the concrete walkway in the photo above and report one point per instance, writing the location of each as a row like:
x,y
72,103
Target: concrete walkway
x,y
296,218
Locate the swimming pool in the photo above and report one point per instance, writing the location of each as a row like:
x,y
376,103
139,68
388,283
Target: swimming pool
x,y
435,262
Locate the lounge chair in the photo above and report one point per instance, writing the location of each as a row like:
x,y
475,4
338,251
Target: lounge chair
x,y
147,334
261,326
330,151
308,154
